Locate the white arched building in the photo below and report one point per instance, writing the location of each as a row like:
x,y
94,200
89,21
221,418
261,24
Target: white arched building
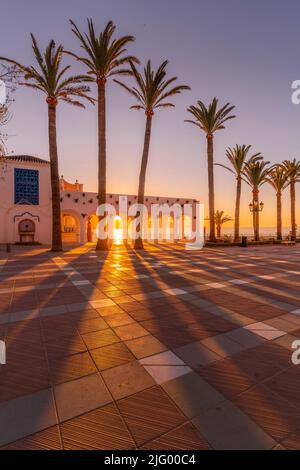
x,y
25,204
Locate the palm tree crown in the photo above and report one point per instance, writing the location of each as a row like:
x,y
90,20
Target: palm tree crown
x,y
152,89
105,56
292,167
255,173
49,77
210,119
278,177
221,218
237,156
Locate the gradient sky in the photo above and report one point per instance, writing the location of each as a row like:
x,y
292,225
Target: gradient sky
x,y
244,52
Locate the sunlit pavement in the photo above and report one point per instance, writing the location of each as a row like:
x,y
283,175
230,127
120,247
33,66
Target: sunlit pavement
x,y
160,349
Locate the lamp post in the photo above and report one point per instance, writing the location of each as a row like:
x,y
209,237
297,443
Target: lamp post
x,y
256,207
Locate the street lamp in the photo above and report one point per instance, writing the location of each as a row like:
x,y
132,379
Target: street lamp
x,y
256,207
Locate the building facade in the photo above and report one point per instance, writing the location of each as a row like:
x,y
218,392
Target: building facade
x,y
25,205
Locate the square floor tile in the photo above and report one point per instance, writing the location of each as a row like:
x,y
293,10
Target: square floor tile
x,y
100,429
196,355
112,355
226,427
26,415
164,358
192,394
145,346
175,291
149,414
222,345
127,379
96,339
79,396
162,373
130,331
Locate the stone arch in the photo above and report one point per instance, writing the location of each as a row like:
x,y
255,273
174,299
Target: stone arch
x,y
71,226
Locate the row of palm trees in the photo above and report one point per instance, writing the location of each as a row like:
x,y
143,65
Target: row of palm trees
x,y
105,58
254,171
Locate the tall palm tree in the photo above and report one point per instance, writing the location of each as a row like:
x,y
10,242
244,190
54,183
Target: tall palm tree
x,y
292,168
151,91
279,180
237,157
104,57
255,174
210,119
51,79
220,219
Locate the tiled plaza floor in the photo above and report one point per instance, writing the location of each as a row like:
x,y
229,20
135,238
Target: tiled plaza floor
x,y
164,349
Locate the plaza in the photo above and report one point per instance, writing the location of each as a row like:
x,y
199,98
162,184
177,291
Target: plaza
x,y
160,349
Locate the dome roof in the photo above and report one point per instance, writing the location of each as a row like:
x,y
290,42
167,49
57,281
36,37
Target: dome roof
x,y
27,158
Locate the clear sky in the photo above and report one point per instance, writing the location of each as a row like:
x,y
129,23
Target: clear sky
x,y
245,52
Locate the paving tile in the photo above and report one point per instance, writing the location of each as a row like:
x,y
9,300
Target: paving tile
x,y
79,396
226,427
192,394
101,303
118,319
185,437
127,379
43,440
149,414
175,291
92,324
111,356
100,429
163,358
246,338
164,373
222,345
130,331
26,415
273,414
216,285
196,355
71,367
145,346
97,339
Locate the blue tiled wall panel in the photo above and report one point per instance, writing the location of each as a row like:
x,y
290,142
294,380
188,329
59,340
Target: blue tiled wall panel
x,y
26,186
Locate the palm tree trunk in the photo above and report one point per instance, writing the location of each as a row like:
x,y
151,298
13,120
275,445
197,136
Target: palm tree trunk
x,y
102,244
138,243
218,231
279,215
237,209
293,208
211,195
56,215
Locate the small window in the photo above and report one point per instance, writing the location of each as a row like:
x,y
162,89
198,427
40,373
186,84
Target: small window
x,y
26,186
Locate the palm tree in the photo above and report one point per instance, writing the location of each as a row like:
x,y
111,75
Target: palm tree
x,y
255,174
220,219
278,178
292,168
151,91
104,57
237,157
50,78
210,120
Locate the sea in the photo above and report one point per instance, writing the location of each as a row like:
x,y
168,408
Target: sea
x,y
265,232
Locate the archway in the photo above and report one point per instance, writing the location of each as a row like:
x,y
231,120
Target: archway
x,y
70,228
